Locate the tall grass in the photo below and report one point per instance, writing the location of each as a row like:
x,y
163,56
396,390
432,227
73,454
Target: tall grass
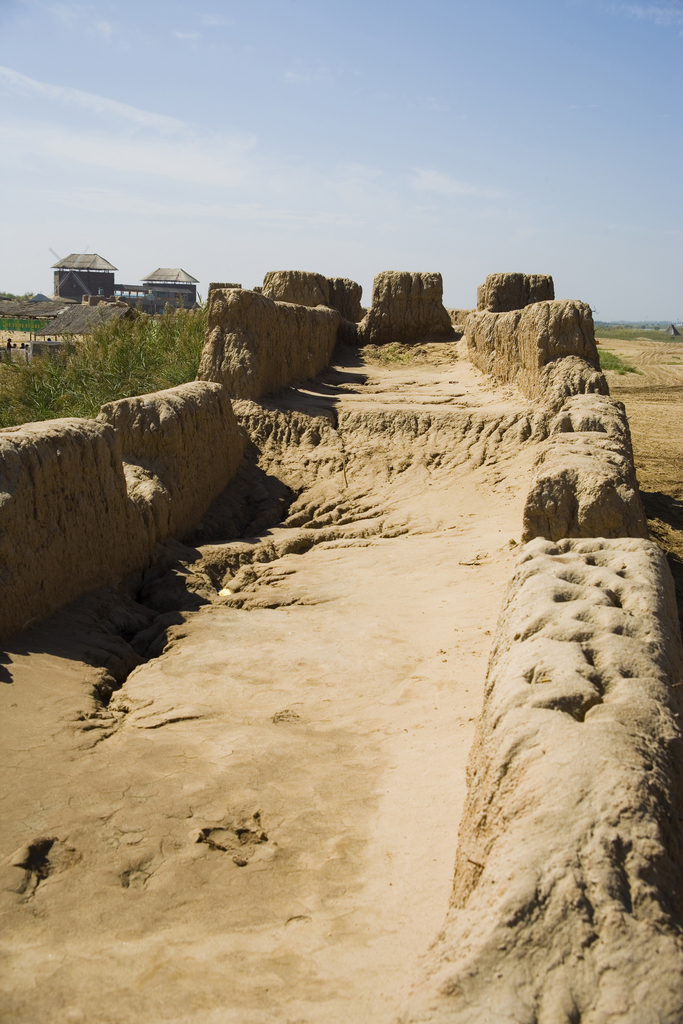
x,y
610,361
120,359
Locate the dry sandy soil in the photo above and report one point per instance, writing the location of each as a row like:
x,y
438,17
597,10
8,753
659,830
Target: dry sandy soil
x,y
260,826
654,405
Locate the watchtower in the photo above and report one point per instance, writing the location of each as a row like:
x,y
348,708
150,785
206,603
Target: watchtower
x,y
85,274
170,286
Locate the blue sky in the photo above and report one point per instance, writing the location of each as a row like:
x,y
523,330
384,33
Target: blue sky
x,y
231,138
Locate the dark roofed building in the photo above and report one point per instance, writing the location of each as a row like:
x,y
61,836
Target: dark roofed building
x,y
169,286
170,275
84,274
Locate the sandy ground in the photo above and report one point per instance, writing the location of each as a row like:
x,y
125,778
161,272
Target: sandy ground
x,y
653,398
261,827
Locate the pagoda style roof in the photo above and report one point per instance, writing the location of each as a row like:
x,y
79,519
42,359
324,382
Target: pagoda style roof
x,y
83,261
170,275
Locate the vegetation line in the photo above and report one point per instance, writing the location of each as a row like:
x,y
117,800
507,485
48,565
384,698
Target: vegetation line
x,y
122,358
630,334
610,361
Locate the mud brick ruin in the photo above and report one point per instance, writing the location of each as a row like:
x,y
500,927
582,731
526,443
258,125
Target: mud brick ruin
x,y
192,864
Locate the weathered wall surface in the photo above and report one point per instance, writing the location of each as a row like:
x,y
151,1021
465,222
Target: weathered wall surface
x,y
516,346
297,286
584,484
459,318
83,502
501,293
255,346
405,307
308,289
568,893
345,296
567,377
223,284
180,448
67,524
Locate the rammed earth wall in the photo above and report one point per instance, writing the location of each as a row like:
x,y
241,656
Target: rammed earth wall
x,y
255,346
515,347
568,893
503,292
405,307
83,502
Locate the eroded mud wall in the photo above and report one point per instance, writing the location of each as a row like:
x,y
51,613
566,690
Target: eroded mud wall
x,y
255,346
515,347
66,522
83,502
584,482
309,289
501,293
567,902
180,448
297,286
405,307
345,296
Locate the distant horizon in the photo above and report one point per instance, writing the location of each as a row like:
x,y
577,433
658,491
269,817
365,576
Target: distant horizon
x,y
349,139
621,322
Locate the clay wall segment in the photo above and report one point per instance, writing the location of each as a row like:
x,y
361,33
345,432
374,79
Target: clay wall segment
x,y
83,502
584,482
345,296
501,293
568,883
459,318
183,443
515,347
67,524
405,307
308,289
256,346
569,861
296,286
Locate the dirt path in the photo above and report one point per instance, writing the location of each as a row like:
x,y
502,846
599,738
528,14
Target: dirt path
x,y
654,404
261,825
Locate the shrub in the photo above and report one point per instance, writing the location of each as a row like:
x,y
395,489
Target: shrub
x,y
122,358
610,361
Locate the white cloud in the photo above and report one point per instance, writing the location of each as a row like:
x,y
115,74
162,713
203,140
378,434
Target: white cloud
x,y
21,85
66,13
219,162
104,29
425,180
110,201
186,35
664,12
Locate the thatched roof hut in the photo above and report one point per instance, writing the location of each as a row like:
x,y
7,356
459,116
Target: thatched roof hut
x,y
82,319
